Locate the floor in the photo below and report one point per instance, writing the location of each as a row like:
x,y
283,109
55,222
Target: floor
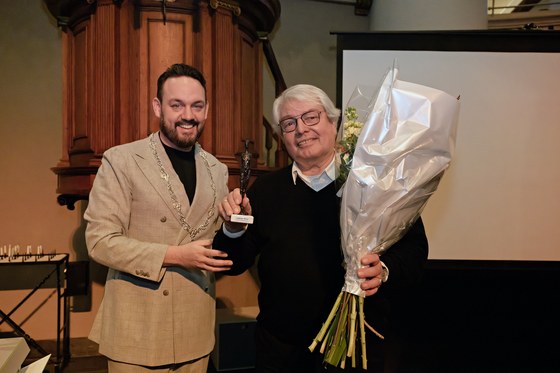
x,y
86,359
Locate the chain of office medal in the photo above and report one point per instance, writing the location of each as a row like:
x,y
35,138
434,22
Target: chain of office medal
x,y
176,204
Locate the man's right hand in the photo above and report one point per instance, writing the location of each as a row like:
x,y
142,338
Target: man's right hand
x,y
231,204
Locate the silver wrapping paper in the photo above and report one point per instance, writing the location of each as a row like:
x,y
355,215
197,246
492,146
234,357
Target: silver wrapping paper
x,y
405,146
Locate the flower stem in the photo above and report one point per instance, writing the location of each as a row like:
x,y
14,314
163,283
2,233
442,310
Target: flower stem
x,y
339,344
362,332
374,331
352,341
325,326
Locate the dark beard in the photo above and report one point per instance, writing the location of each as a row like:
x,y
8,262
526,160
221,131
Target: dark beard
x,y
171,134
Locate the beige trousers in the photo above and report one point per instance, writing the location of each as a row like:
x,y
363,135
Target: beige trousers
x,y
195,366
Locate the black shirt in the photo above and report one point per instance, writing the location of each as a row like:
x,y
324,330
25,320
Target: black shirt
x,y
184,165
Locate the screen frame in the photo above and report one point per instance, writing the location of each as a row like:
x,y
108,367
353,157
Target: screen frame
x,y
517,41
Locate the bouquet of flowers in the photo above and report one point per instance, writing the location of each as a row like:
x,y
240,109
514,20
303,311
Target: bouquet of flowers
x,y
393,151
356,112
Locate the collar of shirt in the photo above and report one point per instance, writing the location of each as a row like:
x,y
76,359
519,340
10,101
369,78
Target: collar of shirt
x,y
315,182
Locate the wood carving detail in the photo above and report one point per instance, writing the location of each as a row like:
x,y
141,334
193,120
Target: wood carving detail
x,y
233,6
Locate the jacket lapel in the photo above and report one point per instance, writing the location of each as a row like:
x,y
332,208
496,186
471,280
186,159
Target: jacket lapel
x,y
204,201
148,163
205,197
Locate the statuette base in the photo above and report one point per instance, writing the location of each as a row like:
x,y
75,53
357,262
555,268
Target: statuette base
x,y
245,219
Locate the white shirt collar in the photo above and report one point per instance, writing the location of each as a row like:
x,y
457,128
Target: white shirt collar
x,y
315,182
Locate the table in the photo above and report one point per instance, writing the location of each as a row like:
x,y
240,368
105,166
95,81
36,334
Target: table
x,y
45,265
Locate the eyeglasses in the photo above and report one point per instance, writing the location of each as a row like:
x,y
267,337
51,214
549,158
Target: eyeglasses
x,y
309,118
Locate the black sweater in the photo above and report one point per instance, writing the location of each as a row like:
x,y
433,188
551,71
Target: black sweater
x,y
297,234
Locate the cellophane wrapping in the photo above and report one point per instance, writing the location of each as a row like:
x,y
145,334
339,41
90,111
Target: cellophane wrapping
x,y
405,145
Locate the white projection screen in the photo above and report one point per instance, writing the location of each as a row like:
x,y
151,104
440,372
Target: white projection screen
x,y
500,199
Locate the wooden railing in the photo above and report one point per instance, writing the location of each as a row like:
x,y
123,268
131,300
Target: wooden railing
x,y
273,142
525,6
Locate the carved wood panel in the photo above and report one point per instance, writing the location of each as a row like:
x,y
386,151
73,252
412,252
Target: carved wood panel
x,y
113,53
156,55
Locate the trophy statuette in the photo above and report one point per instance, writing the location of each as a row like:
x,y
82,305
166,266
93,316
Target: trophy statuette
x,y
244,175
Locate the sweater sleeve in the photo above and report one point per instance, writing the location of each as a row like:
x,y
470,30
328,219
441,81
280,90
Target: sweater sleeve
x,y
242,250
406,260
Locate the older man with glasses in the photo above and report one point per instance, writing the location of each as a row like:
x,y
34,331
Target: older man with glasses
x,y
296,234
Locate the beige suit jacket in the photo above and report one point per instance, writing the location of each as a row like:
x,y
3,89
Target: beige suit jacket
x,y
152,315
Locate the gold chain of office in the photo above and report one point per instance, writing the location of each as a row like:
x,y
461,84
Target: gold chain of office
x,y
176,204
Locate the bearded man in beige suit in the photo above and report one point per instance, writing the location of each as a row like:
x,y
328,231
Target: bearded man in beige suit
x,y
151,218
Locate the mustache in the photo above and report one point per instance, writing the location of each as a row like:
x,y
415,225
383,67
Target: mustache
x,y
187,122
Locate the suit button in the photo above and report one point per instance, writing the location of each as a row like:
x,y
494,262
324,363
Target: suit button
x,y
166,292
163,219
